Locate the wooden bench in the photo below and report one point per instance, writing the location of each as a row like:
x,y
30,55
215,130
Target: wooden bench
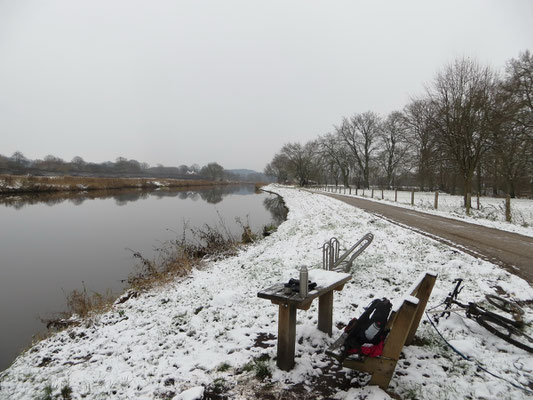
x,y
327,282
403,322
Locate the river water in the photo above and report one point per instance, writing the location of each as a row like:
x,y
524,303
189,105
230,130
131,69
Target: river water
x,y
53,244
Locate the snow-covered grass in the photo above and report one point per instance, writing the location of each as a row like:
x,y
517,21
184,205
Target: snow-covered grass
x,y
491,211
201,333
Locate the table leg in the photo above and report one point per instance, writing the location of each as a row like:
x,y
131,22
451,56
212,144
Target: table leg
x,y
325,313
286,336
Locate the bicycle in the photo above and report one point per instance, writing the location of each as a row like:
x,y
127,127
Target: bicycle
x,y
505,328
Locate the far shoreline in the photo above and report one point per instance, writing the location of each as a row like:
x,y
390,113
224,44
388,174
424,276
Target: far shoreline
x,y
29,184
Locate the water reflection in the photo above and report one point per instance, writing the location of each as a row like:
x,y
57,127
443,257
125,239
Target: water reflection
x,y
210,194
277,208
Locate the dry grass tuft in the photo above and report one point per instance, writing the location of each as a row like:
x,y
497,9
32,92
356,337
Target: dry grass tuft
x,y
82,303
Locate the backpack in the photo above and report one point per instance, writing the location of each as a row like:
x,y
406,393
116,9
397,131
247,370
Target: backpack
x,y
369,329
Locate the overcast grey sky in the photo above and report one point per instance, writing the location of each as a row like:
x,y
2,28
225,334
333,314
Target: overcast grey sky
x,y
182,82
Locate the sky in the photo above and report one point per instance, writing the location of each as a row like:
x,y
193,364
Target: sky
x,y
183,82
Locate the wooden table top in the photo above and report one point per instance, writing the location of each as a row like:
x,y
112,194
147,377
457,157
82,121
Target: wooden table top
x,y
326,281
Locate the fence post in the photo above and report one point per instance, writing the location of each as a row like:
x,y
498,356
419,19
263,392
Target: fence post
x,y
478,200
382,197
436,205
508,208
395,195
372,193
356,190
350,189
363,192
412,197
468,199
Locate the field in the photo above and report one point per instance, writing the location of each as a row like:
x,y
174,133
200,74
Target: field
x,y
491,210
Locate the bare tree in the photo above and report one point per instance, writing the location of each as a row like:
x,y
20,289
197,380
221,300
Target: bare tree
x,y
212,171
300,160
520,83
360,133
422,140
78,162
278,168
513,123
463,99
394,146
336,157
19,158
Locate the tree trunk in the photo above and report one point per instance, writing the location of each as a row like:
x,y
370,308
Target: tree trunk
x,y
467,189
479,178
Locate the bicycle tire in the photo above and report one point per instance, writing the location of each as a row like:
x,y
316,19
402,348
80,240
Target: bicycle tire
x,y
506,332
504,304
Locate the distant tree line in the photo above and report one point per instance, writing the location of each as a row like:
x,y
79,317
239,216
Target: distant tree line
x,y
17,163
471,131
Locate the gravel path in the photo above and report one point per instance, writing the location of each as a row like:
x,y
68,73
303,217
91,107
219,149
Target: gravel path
x,y
509,250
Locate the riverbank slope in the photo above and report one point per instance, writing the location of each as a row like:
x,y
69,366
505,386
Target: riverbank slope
x,y
208,333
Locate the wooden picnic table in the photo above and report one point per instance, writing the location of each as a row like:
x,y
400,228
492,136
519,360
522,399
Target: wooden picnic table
x,y
327,282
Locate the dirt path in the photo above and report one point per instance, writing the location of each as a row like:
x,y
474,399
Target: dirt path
x,y
509,250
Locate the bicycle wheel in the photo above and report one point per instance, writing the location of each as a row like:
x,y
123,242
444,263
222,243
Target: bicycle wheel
x,y
507,332
505,305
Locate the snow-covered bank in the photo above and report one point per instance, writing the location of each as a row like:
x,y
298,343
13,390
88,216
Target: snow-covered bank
x,y
202,331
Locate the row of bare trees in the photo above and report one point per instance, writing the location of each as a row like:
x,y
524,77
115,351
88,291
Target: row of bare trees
x,y
471,131
17,163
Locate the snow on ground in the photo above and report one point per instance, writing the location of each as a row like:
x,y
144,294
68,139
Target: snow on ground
x,y
201,331
491,211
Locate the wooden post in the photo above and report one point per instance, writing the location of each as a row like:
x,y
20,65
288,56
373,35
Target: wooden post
x,y
395,195
325,313
382,197
286,336
468,200
478,200
350,189
372,193
508,208
363,192
422,294
356,190
412,197
436,205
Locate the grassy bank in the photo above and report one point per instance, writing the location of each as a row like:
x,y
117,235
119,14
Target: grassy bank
x,y
12,184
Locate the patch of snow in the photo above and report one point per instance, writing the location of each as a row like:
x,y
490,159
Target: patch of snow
x,y
195,393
